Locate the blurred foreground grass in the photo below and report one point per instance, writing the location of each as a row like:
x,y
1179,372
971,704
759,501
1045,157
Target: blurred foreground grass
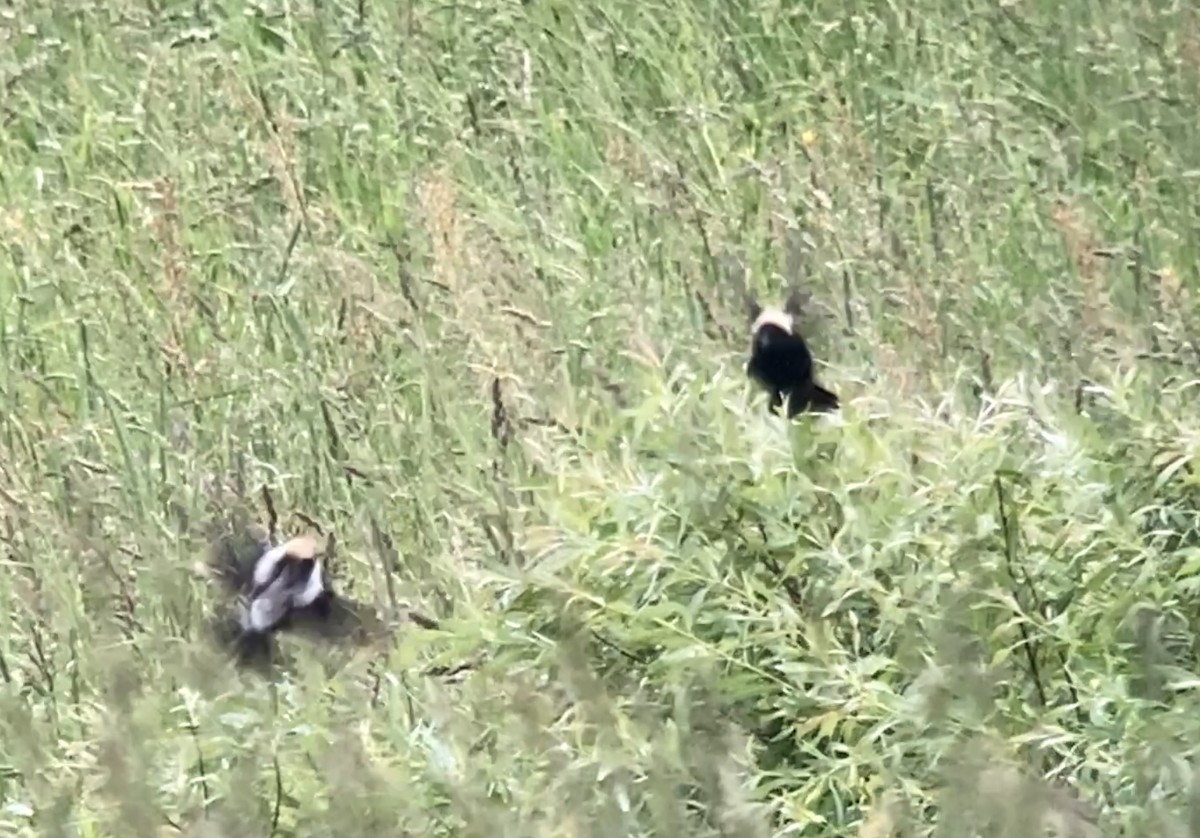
x,y
459,282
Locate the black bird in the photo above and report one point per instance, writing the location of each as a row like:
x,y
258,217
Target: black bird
x,y
282,588
781,362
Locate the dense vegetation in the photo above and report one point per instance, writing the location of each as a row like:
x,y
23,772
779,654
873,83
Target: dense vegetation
x,y
461,284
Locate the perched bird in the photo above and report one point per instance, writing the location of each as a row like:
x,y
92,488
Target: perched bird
x,y
286,579
780,360
281,588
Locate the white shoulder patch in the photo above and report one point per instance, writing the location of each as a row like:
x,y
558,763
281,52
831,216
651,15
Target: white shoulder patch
x,y
312,589
264,613
264,568
773,317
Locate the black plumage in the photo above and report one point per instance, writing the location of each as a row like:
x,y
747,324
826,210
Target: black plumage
x,y
282,588
781,362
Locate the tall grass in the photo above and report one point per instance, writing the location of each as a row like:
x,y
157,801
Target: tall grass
x,y
460,283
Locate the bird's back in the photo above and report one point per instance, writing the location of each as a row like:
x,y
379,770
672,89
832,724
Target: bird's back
x,y
780,360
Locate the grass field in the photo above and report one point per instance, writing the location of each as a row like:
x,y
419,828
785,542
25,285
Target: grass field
x,y
460,283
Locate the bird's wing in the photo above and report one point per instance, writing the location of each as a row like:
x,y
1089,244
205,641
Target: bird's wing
x,y
270,602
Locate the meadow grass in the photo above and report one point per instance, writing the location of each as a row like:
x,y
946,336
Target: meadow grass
x,y
461,283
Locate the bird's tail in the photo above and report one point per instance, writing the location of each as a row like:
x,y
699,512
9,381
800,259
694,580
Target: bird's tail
x,y
814,399
254,650
248,649
823,399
